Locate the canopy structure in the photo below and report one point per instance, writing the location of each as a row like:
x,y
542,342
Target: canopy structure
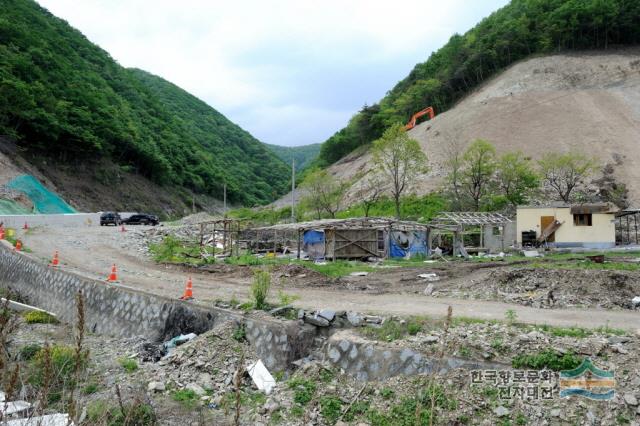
x,y
471,218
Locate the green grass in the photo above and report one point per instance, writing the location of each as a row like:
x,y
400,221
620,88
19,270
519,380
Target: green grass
x,y
330,408
546,359
39,317
27,352
129,365
304,389
186,397
339,268
392,330
101,412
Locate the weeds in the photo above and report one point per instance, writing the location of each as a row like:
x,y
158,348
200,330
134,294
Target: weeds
x,y
511,316
331,408
136,413
304,390
129,365
546,359
287,299
186,397
39,317
260,289
394,330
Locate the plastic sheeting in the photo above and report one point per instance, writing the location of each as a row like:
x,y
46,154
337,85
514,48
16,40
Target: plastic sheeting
x,y
407,244
313,241
44,201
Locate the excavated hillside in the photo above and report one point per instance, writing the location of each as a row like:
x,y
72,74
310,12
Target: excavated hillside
x,y
581,101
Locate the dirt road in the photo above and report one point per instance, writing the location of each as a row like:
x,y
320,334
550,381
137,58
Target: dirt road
x,y
91,251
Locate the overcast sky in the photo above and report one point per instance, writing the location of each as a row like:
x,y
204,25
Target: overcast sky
x,y
290,72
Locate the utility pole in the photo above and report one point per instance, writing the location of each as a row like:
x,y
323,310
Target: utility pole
x,y
293,190
224,208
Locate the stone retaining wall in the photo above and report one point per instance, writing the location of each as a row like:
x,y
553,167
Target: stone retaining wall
x,y
123,311
368,361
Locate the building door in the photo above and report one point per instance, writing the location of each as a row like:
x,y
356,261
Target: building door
x,y
544,222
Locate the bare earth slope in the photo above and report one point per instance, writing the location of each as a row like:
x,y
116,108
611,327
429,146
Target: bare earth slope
x,y
586,101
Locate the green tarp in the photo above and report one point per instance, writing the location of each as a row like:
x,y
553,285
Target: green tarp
x,y
44,201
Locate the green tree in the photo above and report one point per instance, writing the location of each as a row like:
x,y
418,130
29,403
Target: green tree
x,y
370,190
516,177
399,159
323,193
565,172
479,167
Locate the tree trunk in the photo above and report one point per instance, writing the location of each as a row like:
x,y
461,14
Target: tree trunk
x,y
397,201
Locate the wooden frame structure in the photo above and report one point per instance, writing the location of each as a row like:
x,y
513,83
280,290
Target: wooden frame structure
x,y
627,230
343,238
225,231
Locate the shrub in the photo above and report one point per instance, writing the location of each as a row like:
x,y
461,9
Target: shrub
x,y
260,289
40,317
240,333
27,352
55,364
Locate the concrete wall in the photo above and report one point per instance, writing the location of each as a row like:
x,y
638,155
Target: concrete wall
x,y
497,239
368,361
118,310
601,234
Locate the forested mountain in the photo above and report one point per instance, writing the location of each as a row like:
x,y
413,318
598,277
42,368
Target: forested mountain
x,y
518,30
64,98
303,155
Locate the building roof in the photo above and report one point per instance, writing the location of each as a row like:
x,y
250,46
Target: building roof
x,y
582,208
471,218
353,223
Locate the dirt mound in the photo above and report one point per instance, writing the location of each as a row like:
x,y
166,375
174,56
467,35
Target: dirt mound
x,y
586,101
553,288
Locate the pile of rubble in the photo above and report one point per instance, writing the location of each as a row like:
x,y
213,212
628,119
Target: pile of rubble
x,y
552,288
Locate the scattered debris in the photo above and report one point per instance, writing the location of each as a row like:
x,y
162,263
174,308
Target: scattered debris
x,y
636,301
261,377
429,276
359,274
178,340
531,253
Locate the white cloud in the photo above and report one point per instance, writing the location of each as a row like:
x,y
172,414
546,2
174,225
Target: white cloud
x,y
271,65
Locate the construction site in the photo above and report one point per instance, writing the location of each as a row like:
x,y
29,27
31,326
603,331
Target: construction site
x,y
464,251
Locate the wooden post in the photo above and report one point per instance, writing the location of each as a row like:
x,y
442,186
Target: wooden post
x,y
427,243
635,220
275,242
213,237
333,258
299,243
628,231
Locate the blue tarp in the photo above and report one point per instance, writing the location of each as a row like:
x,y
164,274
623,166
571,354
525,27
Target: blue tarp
x,y
313,237
407,244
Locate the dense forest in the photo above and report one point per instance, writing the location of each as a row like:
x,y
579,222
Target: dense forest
x,y
64,98
303,154
520,29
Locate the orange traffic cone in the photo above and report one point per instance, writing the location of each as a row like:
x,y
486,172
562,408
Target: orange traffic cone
x,y
123,229
18,245
113,277
25,226
55,261
188,291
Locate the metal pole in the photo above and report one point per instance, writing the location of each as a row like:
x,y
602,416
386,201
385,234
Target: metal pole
x,y
299,245
293,190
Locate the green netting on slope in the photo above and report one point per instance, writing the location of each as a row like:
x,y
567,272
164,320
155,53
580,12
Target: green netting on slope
x,y
44,201
11,207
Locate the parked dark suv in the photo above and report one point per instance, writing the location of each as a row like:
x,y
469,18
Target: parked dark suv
x,y
110,218
142,219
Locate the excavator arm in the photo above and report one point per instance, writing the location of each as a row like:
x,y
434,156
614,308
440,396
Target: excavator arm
x,y
427,111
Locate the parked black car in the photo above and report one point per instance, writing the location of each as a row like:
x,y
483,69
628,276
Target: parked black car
x,y
110,218
142,219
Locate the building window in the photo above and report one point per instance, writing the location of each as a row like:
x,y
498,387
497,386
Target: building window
x,y
381,246
582,219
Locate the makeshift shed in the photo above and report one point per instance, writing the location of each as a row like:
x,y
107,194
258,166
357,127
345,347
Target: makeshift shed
x,y
345,238
476,231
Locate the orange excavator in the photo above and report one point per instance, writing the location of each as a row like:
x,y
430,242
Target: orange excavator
x,y
427,111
